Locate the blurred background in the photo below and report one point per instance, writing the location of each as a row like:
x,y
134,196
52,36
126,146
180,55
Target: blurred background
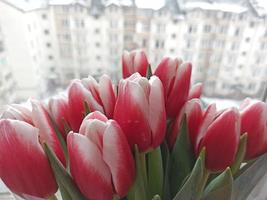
x,y
46,43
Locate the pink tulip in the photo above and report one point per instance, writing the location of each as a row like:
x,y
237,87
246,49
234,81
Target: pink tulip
x,y
101,161
140,111
18,112
254,123
58,109
195,91
175,78
221,139
135,61
98,96
47,132
24,167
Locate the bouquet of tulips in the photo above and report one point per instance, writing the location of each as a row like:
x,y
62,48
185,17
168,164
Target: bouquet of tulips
x,y
149,137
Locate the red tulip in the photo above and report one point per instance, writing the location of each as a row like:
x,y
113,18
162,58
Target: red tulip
x,y
175,78
58,109
221,139
135,61
254,123
24,167
99,96
195,91
140,111
101,161
47,133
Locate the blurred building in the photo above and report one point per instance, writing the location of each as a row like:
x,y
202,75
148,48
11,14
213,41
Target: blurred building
x,y
49,42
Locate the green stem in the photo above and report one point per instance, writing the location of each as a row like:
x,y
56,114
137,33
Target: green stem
x,y
53,197
202,183
143,165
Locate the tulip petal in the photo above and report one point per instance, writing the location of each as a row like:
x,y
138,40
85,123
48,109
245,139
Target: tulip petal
x,y
195,91
179,91
221,140
131,112
107,95
118,156
157,113
194,114
47,133
24,167
88,169
77,95
140,63
127,64
254,123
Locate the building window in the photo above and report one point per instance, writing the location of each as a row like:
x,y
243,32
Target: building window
x,y
46,32
97,44
50,57
44,16
247,39
1,46
98,58
207,28
237,32
97,31
251,24
48,44
65,23
144,43
173,36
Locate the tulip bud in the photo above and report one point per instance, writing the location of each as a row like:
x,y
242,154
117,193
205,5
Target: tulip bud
x,y
140,111
98,96
135,61
101,162
175,78
220,139
58,109
24,167
254,123
47,133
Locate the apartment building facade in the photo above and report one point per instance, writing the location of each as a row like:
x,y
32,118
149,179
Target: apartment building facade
x,y
61,40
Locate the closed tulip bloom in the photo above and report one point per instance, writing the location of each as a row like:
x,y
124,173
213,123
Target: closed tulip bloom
x,y
195,92
175,77
140,111
58,109
101,162
134,61
47,132
98,96
221,139
254,123
24,167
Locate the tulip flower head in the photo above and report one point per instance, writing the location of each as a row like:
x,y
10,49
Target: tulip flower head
x,y
98,96
24,167
101,161
140,111
254,123
135,61
175,77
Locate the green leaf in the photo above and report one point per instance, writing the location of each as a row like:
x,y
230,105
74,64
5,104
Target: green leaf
x,y
181,159
190,189
220,188
62,176
138,190
249,178
240,154
166,166
155,172
149,72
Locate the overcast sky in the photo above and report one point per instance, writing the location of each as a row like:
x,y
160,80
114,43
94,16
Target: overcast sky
x,y
155,4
